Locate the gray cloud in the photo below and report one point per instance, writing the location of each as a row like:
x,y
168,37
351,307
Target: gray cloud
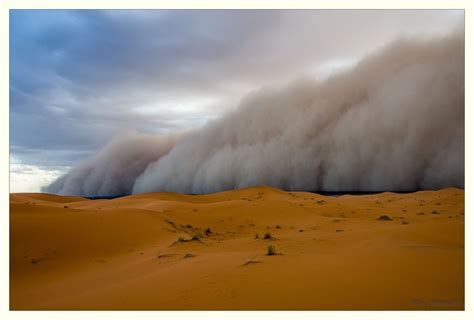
x,y
393,122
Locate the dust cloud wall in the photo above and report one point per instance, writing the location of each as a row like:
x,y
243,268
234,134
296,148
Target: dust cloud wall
x,y
395,121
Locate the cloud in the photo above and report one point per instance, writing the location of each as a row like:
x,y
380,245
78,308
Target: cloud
x,y
80,77
395,121
113,170
30,178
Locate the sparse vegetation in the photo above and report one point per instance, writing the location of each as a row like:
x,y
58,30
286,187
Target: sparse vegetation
x,y
197,236
165,255
169,222
384,218
434,212
267,236
251,262
189,255
271,250
208,231
256,236
277,226
405,222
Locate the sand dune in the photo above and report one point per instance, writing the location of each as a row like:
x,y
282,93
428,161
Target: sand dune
x,y
171,251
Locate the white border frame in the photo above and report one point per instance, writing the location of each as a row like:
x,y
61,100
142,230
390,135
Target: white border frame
x,y
5,5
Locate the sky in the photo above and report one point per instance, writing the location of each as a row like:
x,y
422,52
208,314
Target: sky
x,y
78,78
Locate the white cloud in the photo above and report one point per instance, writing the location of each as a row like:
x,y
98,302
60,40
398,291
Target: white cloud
x,y
30,178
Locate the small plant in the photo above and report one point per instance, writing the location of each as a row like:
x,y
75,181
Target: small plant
x,y
271,250
405,222
208,231
169,222
189,255
278,226
384,218
267,236
251,262
197,236
256,236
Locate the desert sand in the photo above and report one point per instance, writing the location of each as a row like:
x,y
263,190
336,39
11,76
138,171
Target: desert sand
x,y
166,251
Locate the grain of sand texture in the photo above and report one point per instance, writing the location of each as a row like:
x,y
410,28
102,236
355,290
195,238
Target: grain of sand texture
x,y
166,251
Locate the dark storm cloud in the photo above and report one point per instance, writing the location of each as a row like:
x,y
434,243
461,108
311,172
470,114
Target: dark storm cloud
x,y
80,77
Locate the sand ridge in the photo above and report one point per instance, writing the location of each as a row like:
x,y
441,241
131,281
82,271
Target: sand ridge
x,y
167,251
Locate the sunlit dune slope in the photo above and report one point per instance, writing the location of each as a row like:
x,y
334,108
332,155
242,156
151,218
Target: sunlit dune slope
x,y
173,251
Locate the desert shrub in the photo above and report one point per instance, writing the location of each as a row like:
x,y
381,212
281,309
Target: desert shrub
x,y
197,236
271,250
267,236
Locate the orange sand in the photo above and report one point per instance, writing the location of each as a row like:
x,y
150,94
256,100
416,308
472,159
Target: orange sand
x,y
73,253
